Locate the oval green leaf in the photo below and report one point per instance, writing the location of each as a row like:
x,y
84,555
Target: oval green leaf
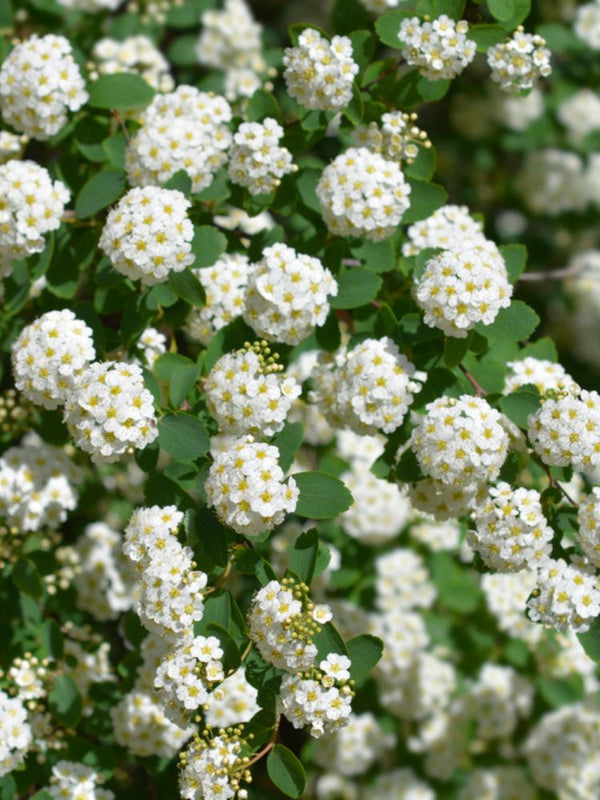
x,y
121,91
286,771
321,496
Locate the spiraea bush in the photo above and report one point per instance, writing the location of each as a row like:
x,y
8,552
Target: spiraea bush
x,y
299,411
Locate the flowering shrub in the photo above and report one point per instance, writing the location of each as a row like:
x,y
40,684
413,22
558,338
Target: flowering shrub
x,y
299,410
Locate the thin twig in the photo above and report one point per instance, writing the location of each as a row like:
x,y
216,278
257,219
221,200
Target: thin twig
x,y
479,390
381,76
121,122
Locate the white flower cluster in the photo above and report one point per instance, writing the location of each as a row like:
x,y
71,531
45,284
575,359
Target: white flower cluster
x,y
443,501
287,295
380,510
588,517
11,146
368,387
544,374
39,82
587,24
256,160
134,54
319,74
448,228
91,6
580,114
140,725
460,441
74,781
363,194
110,411
148,234
352,749
245,486
397,137
583,290
183,130
436,535
517,63
420,689
15,733
233,701
506,597
497,700
37,485
319,703
498,783
152,343
552,181
105,580
563,751
212,767
31,205
246,394
231,40
566,596
50,355
402,581
282,623
398,784
225,286
460,288
186,674
440,48
516,111
511,532
169,599
566,431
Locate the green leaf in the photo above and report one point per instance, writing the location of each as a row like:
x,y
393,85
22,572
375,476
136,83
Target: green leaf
x,y
425,198
515,258
432,90
287,441
364,651
544,348
306,185
515,323
122,91
182,381
114,148
486,36
328,335
423,167
231,654
328,640
208,538
348,16
456,586
321,496
356,287
408,469
52,639
286,772
363,47
560,38
249,562
519,405
207,246
103,189
355,110
27,579
183,437
376,256
180,182
455,350
165,365
263,104
217,611
42,795
387,26
303,556
65,701
501,9
522,9
590,640
562,691
182,51
187,286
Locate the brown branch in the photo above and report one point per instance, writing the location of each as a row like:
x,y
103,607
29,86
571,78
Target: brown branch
x,y
121,122
479,390
551,275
